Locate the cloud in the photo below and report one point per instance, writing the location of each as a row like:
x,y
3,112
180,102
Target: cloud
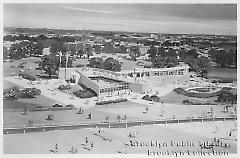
x,y
89,10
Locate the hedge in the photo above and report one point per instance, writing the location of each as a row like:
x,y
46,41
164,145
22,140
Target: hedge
x,y
110,101
64,87
187,102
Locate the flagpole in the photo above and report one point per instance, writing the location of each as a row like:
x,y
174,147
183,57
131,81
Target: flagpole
x,y
66,63
60,59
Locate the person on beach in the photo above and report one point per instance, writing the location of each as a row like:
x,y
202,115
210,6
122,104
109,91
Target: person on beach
x,y
90,116
86,140
118,117
56,148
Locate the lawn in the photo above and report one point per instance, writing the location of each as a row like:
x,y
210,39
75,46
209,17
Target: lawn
x,y
12,67
222,73
98,114
175,98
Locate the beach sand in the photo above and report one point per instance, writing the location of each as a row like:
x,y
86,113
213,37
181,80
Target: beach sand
x,y
42,143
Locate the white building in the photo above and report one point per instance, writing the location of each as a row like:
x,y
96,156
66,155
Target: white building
x,y
138,80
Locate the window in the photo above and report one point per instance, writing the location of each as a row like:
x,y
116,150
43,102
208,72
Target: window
x,y
180,72
156,73
171,73
165,73
160,73
147,73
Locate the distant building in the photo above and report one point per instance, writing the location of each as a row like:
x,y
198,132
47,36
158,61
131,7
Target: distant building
x,y
154,36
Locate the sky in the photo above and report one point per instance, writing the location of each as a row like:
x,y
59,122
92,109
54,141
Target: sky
x,y
161,18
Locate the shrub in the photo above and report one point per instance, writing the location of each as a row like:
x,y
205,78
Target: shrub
x,y
29,92
12,93
186,102
57,106
38,68
80,65
70,106
146,97
152,98
86,93
155,98
27,76
64,87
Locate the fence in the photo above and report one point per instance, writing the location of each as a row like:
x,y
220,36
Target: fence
x,y
123,124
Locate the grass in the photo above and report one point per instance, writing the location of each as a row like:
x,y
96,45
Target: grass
x,y
173,97
222,73
16,104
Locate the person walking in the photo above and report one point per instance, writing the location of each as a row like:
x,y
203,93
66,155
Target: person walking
x,y
86,140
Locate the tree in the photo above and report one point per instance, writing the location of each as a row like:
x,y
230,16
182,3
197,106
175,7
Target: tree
x,y
152,52
89,50
25,49
171,52
161,51
226,97
203,62
41,38
57,46
81,53
50,63
171,61
134,52
123,49
96,62
192,63
224,58
37,49
193,53
5,53
97,49
159,62
108,48
182,54
111,64
213,53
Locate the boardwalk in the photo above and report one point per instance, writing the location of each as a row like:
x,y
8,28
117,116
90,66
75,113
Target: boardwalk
x,y
124,124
